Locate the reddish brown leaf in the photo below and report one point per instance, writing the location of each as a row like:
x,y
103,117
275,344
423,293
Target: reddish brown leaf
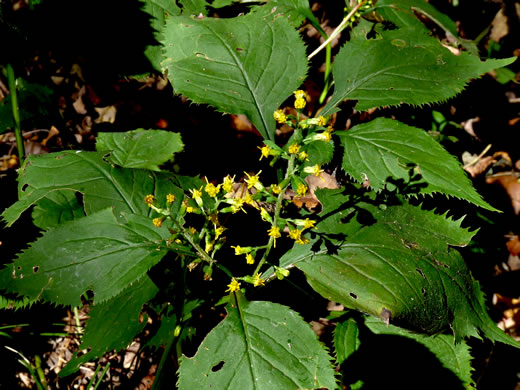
x,y
511,184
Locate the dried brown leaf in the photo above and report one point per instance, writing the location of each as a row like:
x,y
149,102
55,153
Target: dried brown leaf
x,y
511,184
513,245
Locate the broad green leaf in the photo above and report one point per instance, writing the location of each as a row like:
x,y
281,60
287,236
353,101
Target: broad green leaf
x,y
56,208
113,324
320,152
345,210
401,13
401,268
403,66
222,3
244,65
140,148
455,357
384,148
159,10
346,339
194,7
101,183
259,345
296,11
101,252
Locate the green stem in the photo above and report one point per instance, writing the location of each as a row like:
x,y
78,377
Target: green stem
x,y
16,113
39,371
102,375
94,377
159,377
277,210
326,76
188,236
338,29
79,328
224,269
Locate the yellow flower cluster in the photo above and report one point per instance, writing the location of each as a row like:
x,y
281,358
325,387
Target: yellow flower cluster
x,y
294,149
302,189
301,99
227,185
149,199
265,150
279,116
233,286
258,281
296,235
211,189
274,232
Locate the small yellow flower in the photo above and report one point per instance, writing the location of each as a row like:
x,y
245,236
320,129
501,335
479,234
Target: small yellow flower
x,y
299,103
276,189
219,231
196,194
253,181
237,204
294,149
265,215
279,116
157,222
170,198
209,246
189,209
250,259
322,121
299,94
327,136
248,199
227,185
295,234
149,199
302,189
324,136
302,241
315,170
211,189
265,151
303,156
274,232
308,223
233,286
258,281
241,250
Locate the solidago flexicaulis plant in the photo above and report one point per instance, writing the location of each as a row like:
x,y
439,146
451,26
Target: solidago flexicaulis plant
x,y
358,241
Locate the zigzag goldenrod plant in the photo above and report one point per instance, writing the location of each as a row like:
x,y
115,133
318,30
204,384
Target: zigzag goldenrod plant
x,y
397,266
